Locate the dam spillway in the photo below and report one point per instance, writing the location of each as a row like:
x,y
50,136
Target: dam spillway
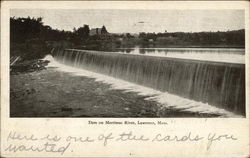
x,y
216,83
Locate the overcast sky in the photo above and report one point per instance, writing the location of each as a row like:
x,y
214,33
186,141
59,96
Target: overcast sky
x,y
134,21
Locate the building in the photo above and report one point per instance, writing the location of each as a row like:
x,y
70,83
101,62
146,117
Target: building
x,y
95,31
168,38
98,31
151,40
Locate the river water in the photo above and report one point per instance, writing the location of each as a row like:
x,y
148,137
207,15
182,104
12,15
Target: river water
x,y
228,55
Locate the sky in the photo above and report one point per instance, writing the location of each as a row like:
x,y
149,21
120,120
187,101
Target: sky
x,y
135,21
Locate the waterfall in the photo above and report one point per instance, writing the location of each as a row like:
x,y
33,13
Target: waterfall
x,y
216,83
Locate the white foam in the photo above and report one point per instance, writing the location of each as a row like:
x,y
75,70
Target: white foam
x,y
164,98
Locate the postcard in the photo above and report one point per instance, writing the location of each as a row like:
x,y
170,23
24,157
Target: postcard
x,y
124,79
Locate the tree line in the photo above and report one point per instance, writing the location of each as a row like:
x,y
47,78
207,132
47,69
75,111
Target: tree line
x,y
236,37
23,29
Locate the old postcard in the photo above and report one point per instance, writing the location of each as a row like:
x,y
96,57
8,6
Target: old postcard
x,y
124,79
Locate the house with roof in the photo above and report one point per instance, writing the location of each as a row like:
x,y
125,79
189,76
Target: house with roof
x,y
98,31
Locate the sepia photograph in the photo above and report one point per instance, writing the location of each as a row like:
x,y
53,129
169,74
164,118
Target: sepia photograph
x,y
127,63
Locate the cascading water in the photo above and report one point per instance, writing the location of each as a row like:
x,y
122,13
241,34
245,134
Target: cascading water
x,y
217,83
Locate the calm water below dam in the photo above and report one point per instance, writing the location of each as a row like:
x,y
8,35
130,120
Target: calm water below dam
x,y
218,83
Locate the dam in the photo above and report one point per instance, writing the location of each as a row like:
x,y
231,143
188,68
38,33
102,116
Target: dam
x,y
221,84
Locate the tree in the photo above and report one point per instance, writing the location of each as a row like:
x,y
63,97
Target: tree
x,y
104,30
83,32
22,29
